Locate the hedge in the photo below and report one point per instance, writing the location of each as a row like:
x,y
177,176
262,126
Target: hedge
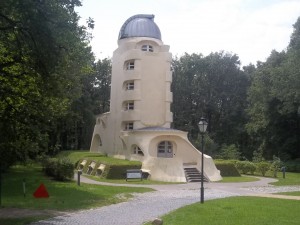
x,y
227,169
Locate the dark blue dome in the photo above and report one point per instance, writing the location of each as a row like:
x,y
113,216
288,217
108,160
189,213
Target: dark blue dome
x,y
140,25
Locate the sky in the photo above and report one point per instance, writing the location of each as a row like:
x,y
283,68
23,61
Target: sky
x,y
249,28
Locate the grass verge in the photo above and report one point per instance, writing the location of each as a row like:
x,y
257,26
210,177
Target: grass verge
x,y
237,210
75,156
292,193
20,221
63,195
238,179
290,179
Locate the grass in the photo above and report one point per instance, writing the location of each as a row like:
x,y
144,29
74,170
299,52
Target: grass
x,y
290,179
63,195
292,193
130,181
237,211
75,156
20,221
238,179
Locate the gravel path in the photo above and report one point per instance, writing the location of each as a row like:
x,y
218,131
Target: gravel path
x,y
147,206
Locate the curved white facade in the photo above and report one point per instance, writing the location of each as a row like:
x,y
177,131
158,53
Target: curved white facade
x,y
138,124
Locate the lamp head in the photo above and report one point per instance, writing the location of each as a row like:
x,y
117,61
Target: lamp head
x,y
202,125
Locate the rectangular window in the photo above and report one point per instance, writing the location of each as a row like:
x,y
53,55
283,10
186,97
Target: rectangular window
x,y
130,65
129,126
147,48
130,86
129,106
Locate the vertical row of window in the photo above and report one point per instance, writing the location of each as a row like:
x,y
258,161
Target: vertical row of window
x,y
129,85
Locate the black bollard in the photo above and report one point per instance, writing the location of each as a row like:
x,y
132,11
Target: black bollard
x,y
79,172
24,188
283,172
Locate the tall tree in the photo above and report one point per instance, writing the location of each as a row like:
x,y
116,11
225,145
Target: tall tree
x,y
75,129
43,55
215,87
274,99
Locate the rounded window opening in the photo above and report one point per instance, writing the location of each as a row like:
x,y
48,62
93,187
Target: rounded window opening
x,y
129,65
137,151
129,85
147,48
165,149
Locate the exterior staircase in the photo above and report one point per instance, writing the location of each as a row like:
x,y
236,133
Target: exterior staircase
x,y
193,175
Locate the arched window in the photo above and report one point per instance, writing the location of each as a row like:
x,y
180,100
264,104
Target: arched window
x,y
147,48
129,85
129,65
136,150
165,149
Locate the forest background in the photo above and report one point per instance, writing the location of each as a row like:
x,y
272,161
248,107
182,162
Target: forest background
x,y
51,88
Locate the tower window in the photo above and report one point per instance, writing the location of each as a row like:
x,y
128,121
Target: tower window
x,y
129,106
129,65
130,85
129,126
147,48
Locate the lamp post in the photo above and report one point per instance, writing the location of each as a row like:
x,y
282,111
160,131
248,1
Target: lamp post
x,y
202,125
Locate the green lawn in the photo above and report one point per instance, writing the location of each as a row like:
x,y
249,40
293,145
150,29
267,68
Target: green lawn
x,y
75,156
237,211
20,221
63,195
290,179
293,193
238,179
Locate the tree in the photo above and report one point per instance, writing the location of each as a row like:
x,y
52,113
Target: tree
x,y
213,86
274,99
75,129
44,54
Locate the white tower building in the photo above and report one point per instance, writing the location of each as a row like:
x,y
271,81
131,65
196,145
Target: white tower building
x,y
138,124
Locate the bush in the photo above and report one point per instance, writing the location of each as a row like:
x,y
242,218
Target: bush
x,y
293,166
245,167
263,167
229,152
276,165
60,169
227,169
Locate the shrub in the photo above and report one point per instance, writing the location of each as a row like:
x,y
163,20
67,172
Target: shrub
x,y
293,166
229,152
227,169
263,167
60,169
276,165
245,167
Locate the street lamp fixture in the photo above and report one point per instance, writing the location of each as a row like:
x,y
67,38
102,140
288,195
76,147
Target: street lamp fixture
x,y
202,125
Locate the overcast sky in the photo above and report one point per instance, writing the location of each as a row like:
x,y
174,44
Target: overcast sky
x,y
249,28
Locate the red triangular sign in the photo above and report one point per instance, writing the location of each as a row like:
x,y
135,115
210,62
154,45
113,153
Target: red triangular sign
x,y
41,192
